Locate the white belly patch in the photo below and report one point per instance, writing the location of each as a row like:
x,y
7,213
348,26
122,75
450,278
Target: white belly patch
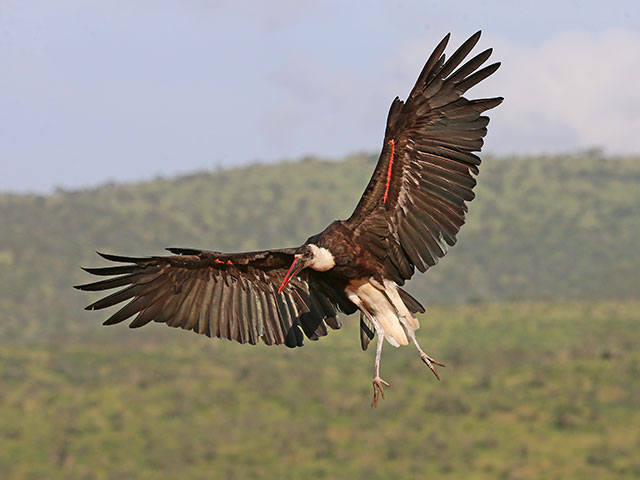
x,y
394,319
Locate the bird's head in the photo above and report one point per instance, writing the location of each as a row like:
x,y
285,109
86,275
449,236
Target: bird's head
x,y
308,255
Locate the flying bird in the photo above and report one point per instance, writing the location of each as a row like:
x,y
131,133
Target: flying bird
x,y
410,213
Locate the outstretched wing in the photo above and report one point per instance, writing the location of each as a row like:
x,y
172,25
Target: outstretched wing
x,y
414,204
232,296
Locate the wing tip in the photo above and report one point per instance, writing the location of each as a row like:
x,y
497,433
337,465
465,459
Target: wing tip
x,y
473,39
488,103
183,251
120,258
493,67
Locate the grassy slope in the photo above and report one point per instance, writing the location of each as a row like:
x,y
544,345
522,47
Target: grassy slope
x,y
531,391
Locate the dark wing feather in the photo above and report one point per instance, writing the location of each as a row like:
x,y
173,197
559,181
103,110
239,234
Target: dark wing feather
x,y
425,174
232,296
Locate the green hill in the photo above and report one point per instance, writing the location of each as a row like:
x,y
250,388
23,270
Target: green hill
x,y
535,312
540,228
531,391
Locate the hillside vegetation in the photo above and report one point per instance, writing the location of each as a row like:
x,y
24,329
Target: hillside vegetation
x,y
540,228
531,391
536,313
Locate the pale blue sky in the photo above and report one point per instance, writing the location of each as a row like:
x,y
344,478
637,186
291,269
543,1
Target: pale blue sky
x,y
93,91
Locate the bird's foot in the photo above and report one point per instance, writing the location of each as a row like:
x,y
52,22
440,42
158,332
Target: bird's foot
x,y
430,362
378,390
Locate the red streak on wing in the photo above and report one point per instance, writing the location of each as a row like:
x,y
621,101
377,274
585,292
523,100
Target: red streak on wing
x,y
386,189
228,262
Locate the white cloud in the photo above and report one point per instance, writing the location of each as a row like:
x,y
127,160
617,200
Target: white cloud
x,y
575,90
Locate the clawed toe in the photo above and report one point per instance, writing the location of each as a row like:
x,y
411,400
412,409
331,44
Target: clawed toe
x,y
378,390
430,362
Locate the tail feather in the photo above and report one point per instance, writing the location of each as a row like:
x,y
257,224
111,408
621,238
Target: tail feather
x,y
412,304
405,315
393,331
387,310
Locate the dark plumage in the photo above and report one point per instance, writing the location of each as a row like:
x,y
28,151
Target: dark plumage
x,y
410,213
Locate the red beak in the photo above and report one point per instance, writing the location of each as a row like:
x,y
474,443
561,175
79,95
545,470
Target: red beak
x,y
295,267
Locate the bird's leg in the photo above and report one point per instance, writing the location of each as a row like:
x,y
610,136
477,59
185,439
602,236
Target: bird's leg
x,y
377,381
430,362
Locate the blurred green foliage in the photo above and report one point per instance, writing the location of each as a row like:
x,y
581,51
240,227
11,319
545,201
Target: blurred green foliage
x,y
535,312
531,391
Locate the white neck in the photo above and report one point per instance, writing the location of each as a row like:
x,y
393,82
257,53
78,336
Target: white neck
x,y
322,259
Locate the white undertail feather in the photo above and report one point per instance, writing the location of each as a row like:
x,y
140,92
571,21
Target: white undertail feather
x,y
394,318
406,317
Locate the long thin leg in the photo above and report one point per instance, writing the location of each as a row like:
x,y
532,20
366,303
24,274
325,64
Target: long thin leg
x,y
409,330
377,381
425,358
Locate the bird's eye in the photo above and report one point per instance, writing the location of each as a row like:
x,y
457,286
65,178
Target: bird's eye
x,y
307,254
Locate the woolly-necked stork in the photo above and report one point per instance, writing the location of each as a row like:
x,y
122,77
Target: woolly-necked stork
x,y
410,212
